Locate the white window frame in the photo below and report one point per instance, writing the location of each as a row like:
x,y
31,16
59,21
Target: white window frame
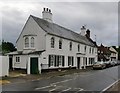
x,y
32,42
17,59
93,50
85,48
26,40
60,61
78,47
52,42
70,46
52,61
60,44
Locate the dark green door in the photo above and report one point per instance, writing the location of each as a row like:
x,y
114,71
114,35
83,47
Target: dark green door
x,y
34,65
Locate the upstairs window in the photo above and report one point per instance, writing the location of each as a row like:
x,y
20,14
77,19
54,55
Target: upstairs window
x,y
52,42
90,50
78,48
26,42
70,46
32,41
60,44
85,48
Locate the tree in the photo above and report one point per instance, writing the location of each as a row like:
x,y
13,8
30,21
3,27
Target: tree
x,y
7,47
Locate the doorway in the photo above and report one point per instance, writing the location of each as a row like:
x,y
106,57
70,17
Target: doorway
x,y
78,62
10,63
34,65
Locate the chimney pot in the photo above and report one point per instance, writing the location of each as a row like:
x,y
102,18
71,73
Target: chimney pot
x,y
43,9
47,15
47,9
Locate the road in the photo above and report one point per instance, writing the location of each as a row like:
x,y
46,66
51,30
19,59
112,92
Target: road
x,y
93,80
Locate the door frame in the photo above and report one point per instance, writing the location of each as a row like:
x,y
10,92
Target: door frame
x,y
31,64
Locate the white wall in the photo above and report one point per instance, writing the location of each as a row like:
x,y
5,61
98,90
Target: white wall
x,y
23,61
4,65
32,28
65,51
114,54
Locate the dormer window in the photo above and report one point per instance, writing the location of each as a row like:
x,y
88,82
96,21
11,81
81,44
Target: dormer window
x,y
29,41
26,42
32,42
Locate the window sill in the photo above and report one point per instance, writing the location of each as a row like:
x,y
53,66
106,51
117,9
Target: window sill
x,y
28,48
17,62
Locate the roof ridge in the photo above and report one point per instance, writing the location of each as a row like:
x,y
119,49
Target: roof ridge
x,y
55,29
59,26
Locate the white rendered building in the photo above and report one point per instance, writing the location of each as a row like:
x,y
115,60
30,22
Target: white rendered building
x,y
43,44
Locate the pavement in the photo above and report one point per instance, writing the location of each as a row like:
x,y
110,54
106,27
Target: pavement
x,y
21,77
84,80
115,87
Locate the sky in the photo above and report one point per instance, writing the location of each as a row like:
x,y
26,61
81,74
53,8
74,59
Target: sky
x,y
100,17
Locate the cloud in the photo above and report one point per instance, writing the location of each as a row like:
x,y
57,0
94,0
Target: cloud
x,y
100,18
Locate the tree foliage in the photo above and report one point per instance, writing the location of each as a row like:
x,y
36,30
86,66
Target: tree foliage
x,y
7,47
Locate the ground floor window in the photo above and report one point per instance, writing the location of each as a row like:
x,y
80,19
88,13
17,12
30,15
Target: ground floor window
x,y
56,60
17,59
85,61
70,61
91,60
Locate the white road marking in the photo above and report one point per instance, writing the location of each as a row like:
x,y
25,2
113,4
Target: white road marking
x,y
55,88
61,81
80,89
66,89
53,84
109,86
42,87
52,89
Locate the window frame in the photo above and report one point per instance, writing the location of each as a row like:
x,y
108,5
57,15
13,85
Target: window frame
x,y
17,59
85,48
60,44
70,60
70,46
26,40
60,61
52,60
52,42
78,47
32,42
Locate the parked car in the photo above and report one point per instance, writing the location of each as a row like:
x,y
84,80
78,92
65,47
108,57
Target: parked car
x,y
99,65
108,64
112,63
118,62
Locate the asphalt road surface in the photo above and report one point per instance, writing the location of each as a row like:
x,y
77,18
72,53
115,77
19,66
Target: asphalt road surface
x,y
93,80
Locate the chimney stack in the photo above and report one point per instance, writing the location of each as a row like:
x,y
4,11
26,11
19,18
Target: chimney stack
x,y
88,33
47,15
83,31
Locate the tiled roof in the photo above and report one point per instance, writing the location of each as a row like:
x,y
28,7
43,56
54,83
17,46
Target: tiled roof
x,y
55,29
